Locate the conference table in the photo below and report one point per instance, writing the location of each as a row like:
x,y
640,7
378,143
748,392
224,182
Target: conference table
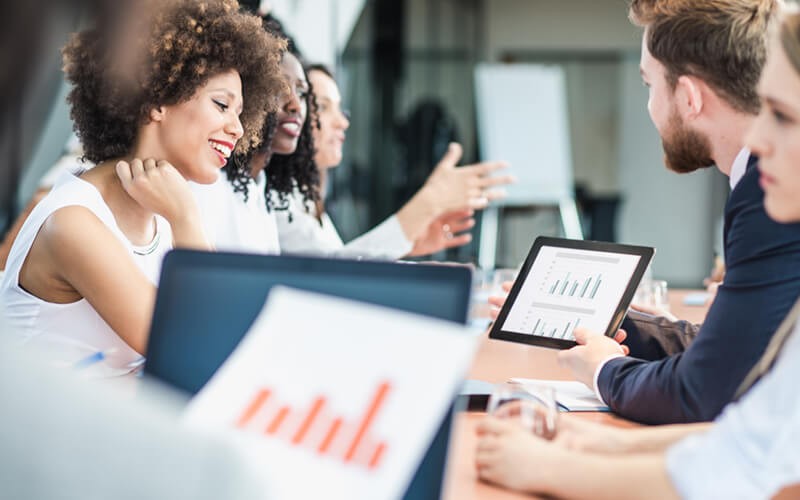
x,y
497,361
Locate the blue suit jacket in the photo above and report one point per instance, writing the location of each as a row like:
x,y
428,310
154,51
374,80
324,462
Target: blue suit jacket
x,y
762,282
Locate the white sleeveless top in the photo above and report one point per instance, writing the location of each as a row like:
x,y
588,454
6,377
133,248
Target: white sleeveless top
x,y
233,224
71,333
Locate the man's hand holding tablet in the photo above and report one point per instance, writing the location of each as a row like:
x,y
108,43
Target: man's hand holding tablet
x,y
593,349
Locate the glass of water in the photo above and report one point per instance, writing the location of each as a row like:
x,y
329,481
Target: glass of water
x,y
532,405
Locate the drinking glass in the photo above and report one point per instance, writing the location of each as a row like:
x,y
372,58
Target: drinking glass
x,y
532,405
653,293
500,276
481,290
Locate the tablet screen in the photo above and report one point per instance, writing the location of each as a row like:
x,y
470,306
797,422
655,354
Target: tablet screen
x,y
561,288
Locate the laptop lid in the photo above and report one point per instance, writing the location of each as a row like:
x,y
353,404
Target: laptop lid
x,y
207,302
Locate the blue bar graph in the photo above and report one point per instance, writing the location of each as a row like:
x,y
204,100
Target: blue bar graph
x,y
585,287
555,328
566,287
596,286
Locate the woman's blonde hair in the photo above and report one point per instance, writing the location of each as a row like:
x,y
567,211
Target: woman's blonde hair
x,y
789,36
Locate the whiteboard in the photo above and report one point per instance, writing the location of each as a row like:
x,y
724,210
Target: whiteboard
x,y
522,119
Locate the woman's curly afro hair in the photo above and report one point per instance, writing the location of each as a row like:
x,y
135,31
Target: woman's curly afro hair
x,y
171,49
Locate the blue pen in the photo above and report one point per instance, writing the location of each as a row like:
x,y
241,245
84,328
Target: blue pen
x,y
91,359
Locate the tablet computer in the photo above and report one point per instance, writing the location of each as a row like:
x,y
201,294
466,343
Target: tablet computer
x,y
565,284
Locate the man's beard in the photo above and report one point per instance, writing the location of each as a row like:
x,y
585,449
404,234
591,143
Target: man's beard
x,y
685,150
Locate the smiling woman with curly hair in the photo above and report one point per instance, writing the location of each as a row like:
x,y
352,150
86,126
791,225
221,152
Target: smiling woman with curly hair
x,y
165,97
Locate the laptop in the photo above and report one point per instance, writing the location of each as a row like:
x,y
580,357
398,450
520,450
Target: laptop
x,y
207,302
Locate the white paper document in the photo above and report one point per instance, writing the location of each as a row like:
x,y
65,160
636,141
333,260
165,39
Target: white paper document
x,y
570,395
338,399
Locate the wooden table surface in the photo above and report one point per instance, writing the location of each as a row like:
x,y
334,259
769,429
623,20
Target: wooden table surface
x,y
497,361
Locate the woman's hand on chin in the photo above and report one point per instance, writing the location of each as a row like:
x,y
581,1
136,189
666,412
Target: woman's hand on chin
x,y
159,187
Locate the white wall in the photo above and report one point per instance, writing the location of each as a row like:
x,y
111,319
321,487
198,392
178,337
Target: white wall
x,y
620,149
584,25
320,27
591,33
663,209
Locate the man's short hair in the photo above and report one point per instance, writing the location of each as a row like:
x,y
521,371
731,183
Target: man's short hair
x,y
722,42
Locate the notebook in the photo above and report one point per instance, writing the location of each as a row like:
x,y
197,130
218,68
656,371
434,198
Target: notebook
x,y
570,395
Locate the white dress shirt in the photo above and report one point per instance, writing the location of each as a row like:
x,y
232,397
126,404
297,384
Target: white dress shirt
x,y
233,224
752,451
304,234
738,169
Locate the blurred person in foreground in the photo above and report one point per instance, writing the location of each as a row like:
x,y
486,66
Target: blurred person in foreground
x,y
64,438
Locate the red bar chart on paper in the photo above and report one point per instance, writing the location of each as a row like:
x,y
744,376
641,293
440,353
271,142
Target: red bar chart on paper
x,y
317,427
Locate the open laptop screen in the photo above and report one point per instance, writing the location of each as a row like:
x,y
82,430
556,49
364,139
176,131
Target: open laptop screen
x,y
207,302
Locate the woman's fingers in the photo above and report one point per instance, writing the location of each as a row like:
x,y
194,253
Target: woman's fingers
x,y
451,157
124,173
478,203
501,180
458,241
462,225
484,168
508,410
497,301
495,194
491,425
487,442
137,167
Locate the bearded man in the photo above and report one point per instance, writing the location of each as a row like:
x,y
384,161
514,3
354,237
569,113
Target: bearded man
x,y
701,60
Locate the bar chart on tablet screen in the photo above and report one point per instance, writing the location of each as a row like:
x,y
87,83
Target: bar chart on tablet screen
x,y
570,288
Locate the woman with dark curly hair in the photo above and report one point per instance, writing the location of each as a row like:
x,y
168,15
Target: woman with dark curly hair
x,y
155,103
238,211
429,222
290,168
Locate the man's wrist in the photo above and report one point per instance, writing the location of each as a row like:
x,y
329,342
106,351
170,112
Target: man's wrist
x,y
596,376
